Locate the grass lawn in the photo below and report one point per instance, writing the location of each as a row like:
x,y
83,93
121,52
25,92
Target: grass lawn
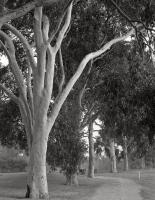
x,y
13,186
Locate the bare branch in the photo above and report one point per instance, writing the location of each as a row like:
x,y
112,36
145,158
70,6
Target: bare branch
x,y
60,20
53,34
14,14
121,12
46,26
49,75
38,27
10,45
41,49
129,19
26,118
64,28
13,63
50,71
9,93
25,43
60,100
62,72
29,90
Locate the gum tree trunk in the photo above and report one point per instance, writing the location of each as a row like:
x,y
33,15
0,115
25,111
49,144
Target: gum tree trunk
x,y
37,180
126,161
113,156
91,152
36,89
143,162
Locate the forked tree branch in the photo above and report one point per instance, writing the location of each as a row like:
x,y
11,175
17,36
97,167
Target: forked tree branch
x,y
21,11
60,20
49,75
129,19
60,100
30,58
10,52
25,43
41,49
64,28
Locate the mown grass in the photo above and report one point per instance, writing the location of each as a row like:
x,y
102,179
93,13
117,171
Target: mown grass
x,y
12,186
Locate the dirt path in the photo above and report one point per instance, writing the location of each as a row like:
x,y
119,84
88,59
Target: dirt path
x,y
118,189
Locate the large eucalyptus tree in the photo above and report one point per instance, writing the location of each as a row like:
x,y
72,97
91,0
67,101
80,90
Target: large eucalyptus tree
x,y
36,89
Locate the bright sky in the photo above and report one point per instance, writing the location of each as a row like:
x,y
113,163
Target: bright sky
x,y
4,60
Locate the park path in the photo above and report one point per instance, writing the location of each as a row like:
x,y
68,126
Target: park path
x,y
117,189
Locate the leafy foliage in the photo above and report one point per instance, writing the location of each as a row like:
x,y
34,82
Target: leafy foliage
x,y
66,148
12,130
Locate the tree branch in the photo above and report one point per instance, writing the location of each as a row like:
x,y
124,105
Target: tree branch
x,y
121,12
38,27
83,90
13,63
64,28
49,75
25,43
62,71
60,100
16,70
29,90
129,19
19,12
53,34
41,49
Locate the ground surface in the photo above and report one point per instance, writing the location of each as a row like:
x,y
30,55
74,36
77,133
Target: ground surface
x,y
118,189
121,186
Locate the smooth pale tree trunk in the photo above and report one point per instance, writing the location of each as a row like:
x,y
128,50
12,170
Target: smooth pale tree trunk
x,y
113,156
37,179
143,162
37,95
126,160
91,152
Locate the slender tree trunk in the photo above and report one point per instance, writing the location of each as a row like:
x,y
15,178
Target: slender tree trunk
x,y
91,152
72,179
143,162
113,156
126,161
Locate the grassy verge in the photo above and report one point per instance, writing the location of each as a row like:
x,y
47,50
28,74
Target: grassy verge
x,y
12,186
